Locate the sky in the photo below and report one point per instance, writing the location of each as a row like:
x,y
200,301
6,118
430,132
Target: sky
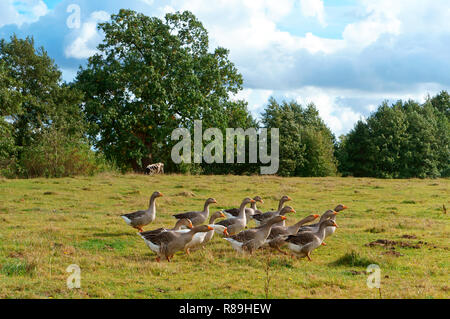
x,y
345,56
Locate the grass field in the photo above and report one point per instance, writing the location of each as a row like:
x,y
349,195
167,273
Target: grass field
x,y
48,224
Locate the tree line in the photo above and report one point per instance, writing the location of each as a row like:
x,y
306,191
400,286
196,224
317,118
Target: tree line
x,y
151,76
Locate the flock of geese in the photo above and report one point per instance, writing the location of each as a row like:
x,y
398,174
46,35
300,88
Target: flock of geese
x,y
190,232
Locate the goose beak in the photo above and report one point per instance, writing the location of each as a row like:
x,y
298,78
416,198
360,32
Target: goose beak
x,y
335,213
222,215
316,216
292,211
214,201
210,228
252,201
283,217
344,207
160,195
261,201
288,198
335,225
190,226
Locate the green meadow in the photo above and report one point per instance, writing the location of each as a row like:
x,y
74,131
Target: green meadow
x,y
48,224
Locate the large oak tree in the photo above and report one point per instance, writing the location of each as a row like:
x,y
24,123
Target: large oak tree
x,y
149,77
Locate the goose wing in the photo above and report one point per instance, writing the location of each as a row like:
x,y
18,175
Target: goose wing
x,y
134,215
301,239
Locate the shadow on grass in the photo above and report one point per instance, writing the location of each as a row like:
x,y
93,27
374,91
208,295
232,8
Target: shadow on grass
x,y
353,259
113,234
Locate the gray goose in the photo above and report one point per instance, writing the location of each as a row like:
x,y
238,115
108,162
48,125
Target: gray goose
x,y
200,239
236,224
283,212
181,222
277,235
217,228
197,218
261,219
166,244
141,218
249,211
328,214
303,243
251,239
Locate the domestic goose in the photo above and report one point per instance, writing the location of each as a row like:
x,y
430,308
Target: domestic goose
x,y
200,239
197,218
236,224
141,218
166,244
181,222
249,211
277,235
303,243
264,217
251,239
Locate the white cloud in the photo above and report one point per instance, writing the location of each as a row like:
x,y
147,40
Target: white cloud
x,y
87,37
313,8
20,12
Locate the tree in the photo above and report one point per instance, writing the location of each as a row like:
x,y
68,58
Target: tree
x,y
306,144
33,100
32,95
150,77
403,140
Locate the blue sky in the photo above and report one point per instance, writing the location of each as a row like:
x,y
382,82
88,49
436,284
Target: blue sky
x,y
346,56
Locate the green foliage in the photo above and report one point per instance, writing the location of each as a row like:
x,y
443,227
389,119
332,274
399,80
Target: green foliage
x,y
306,144
55,154
404,140
353,259
150,77
36,108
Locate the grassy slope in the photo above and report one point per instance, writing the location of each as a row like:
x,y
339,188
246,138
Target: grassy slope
x,y
48,224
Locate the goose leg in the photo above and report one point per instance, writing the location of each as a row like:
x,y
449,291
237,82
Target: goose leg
x,y
283,252
158,259
309,256
140,229
187,251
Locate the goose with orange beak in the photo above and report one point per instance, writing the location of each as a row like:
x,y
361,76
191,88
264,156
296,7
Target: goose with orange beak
x,y
302,244
142,218
251,239
278,234
249,211
200,239
166,244
198,218
263,218
177,228
236,224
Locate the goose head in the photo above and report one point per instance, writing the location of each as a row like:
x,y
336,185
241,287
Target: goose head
x,y
210,201
156,194
285,198
202,229
287,209
276,219
258,199
184,222
248,200
340,207
329,222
